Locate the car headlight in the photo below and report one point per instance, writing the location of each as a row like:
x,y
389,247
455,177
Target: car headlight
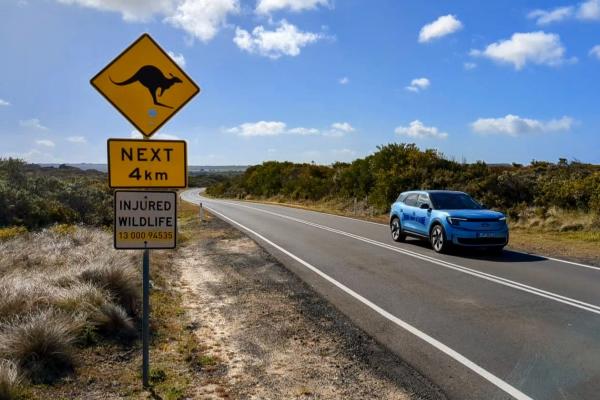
x,y
455,220
502,219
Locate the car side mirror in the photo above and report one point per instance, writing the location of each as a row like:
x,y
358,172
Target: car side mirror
x,y
425,206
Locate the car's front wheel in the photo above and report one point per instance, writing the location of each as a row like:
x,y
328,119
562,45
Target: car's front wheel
x,y
437,237
396,230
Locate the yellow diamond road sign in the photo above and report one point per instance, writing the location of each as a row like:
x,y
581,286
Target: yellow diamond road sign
x,y
145,85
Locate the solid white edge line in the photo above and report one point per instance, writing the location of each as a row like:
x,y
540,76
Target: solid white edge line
x,y
479,274
382,224
499,383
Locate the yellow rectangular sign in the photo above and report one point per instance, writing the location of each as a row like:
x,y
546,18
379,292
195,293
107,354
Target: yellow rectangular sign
x,y
136,163
145,220
145,85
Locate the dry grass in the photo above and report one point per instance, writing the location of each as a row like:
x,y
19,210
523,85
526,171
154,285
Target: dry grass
x,y
59,288
9,381
41,345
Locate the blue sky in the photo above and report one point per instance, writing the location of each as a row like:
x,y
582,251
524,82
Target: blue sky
x,y
313,80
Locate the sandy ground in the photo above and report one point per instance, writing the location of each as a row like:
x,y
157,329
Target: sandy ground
x,y
273,337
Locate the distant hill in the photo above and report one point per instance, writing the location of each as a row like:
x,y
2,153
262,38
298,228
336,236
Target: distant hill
x,y
191,168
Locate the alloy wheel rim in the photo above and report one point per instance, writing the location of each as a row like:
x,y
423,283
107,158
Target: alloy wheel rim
x,y
395,230
438,239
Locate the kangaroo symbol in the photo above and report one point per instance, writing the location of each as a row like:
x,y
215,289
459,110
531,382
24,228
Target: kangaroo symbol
x,y
153,79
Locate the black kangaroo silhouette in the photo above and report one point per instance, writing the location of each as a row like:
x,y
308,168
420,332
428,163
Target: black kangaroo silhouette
x,y
153,79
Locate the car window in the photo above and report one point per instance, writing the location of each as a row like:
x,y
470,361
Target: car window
x,y
423,199
454,201
411,200
401,197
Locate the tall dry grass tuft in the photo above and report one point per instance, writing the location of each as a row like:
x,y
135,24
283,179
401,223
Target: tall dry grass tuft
x,y
113,322
40,345
121,282
9,381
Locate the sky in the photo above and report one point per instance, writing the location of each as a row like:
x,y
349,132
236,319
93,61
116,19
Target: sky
x,y
313,80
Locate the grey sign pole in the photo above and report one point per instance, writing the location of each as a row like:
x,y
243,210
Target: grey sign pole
x,y
145,319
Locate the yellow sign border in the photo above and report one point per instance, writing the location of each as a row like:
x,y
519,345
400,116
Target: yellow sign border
x,y
185,163
149,134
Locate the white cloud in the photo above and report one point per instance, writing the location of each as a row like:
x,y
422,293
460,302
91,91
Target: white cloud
x,y
417,130
416,85
275,128
304,131
203,18
33,123
513,125
469,66
287,40
260,128
344,80
589,10
268,6
4,103
131,10
535,47
77,139
45,142
343,126
178,58
595,51
161,136
442,26
544,17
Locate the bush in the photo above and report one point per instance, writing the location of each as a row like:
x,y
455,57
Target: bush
x,y
394,168
40,345
34,197
13,231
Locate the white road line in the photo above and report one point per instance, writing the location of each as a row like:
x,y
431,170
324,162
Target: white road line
x,y
483,275
502,385
382,224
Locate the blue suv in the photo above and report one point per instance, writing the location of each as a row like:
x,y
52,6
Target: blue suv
x,y
447,218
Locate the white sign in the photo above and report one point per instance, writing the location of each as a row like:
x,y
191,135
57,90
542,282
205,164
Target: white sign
x,y
145,220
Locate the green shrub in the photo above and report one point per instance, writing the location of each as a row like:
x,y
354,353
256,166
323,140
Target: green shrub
x,y
378,179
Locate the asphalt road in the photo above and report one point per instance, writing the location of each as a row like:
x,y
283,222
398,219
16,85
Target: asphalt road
x,y
480,327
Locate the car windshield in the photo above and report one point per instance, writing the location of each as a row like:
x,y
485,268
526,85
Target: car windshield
x,y
453,201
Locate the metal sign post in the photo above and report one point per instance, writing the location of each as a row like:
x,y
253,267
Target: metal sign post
x,y
145,85
146,319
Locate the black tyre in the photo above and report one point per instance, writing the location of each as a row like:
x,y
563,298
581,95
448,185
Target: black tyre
x,y
437,238
496,250
396,230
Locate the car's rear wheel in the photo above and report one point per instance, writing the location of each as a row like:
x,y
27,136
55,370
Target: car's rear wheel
x,y
437,237
396,230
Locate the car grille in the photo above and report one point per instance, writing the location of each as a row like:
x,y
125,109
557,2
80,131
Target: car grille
x,y
482,241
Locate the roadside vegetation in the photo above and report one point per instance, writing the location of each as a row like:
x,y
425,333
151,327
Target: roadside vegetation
x,y
562,196
70,319
34,197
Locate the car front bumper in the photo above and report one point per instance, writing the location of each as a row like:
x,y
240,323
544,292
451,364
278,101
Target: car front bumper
x,y
479,238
